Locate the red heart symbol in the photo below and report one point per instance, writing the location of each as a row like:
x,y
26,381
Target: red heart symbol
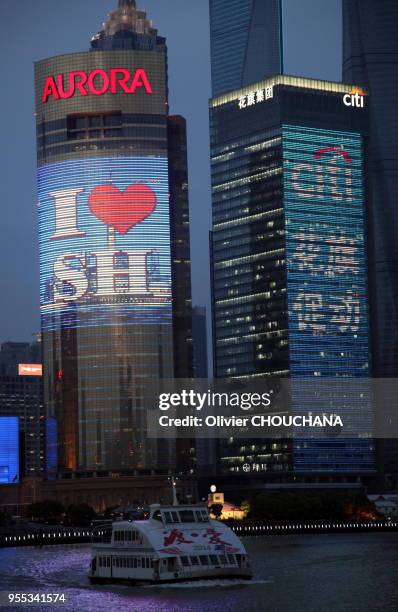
x,y
122,209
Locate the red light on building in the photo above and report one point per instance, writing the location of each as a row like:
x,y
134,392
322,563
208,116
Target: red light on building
x,y
97,82
30,369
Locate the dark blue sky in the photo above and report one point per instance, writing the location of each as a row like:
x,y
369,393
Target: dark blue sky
x,y
31,30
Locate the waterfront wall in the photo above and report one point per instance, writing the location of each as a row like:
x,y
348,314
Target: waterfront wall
x,y
62,536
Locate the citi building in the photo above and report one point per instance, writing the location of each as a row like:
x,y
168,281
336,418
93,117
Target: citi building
x,y
289,271
107,253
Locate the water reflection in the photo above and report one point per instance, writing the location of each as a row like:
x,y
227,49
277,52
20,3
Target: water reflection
x,y
345,572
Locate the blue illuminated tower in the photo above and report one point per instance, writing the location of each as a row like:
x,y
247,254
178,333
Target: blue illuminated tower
x,y
246,42
114,245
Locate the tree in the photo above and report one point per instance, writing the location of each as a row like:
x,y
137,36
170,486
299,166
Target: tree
x,y
216,510
311,505
4,518
47,511
246,506
80,515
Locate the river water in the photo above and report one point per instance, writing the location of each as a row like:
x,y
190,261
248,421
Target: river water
x,y
319,573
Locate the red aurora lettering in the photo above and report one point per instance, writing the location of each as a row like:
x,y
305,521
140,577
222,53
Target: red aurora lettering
x,y
97,82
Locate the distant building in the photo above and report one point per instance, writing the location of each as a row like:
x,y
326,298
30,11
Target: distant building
x,y
385,505
370,56
199,328
14,353
21,397
246,42
206,448
371,61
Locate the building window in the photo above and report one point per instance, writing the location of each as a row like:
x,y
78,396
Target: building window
x,y
94,127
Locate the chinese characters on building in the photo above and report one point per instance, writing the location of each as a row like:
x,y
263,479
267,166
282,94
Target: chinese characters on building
x,y
255,97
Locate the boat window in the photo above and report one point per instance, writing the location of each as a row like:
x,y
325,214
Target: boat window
x,y
129,536
168,517
185,561
223,560
175,516
214,559
157,516
100,561
231,559
187,516
204,560
198,515
135,562
194,561
108,561
152,562
205,516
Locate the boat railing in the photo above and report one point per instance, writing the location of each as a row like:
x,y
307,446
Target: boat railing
x,y
102,534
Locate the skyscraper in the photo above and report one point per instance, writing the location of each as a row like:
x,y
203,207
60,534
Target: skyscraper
x,y
289,274
371,60
370,55
107,249
21,398
246,42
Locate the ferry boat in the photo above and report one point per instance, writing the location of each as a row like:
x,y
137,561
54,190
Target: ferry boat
x,y
175,543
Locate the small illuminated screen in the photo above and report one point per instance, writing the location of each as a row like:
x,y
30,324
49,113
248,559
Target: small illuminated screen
x,y
30,369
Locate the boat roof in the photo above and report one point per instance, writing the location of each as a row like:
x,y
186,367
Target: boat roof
x,y
170,540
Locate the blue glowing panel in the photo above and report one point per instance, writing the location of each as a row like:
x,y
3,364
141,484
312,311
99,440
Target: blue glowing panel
x,y
9,450
51,429
104,233
325,252
327,286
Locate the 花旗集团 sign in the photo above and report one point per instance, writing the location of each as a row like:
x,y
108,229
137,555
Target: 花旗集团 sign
x,y
255,97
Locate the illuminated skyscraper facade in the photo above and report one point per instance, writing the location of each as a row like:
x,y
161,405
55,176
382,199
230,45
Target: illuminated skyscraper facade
x,y
289,271
371,60
107,252
246,42
370,55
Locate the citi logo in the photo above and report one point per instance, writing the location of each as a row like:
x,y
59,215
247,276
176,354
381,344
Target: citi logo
x,y
355,98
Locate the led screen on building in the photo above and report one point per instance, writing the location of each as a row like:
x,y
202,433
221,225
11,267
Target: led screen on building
x,y
327,289
104,242
9,450
325,252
